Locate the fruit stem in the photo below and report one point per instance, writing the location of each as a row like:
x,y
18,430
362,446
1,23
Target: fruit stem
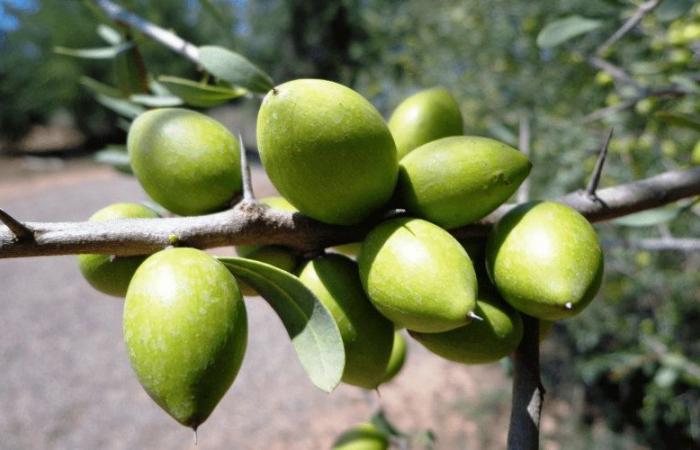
x,y
528,392
245,172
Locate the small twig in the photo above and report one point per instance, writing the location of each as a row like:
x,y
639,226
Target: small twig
x,y
245,172
658,244
165,37
20,230
598,169
643,9
671,91
611,69
524,144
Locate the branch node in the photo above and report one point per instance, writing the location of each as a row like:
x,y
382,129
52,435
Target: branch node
x,y
598,169
245,172
20,230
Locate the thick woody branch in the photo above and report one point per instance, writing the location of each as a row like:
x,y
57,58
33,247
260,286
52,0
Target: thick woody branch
x,y
251,223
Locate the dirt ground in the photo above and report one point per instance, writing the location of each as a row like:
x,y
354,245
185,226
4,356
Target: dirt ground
x,y
65,380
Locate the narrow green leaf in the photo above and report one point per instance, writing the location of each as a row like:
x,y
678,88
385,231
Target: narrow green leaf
x,y
98,87
679,119
120,106
670,10
315,335
95,53
502,133
234,68
109,34
199,94
115,156
130,71
156,101
560,31
651,217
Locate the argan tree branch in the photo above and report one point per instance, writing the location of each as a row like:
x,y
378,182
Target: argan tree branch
x,y
643,9
528,392
252,223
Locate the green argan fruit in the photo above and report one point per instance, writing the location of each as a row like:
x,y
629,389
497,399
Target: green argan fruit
x,y
695,156
545,260
424,117
364,436
185,329
482,341
278,256
397,359
367,335
186,161
457,180
418,275
327,150
109,274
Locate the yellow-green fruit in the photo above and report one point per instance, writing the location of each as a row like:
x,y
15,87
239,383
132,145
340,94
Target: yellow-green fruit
x,y
695,156
327,150
482,341
424,117
397,358
417,275
364,436
280,257
367,335
186,161
185,330
545,260
106,273
457,180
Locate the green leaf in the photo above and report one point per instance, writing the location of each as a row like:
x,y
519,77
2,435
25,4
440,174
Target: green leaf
x,y
679,119
98,87
673,9
314,333
95,53
560,31
199,94
130,71
109,34
115,156
156,101
502,133
234,68
651,217
120,106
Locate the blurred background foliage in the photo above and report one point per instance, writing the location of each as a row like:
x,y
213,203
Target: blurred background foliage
x,y
632,360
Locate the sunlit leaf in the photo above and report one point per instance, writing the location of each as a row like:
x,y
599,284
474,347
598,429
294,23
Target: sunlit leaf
x,y
200,94
651,217
562,30
115,156
95,53
156,101
109,34
234,68
315,335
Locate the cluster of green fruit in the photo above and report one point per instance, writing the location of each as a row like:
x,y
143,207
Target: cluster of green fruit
x,y
333,158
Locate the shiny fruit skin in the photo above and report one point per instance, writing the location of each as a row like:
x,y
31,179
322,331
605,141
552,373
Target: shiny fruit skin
x,y
278,256
475,174
545,260
481,341
397,358
187,162
364,436
185,329
106,273
417,275
327,150
367,335
424,117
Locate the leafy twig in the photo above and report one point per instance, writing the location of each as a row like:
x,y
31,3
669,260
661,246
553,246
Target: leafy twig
x,y
643,9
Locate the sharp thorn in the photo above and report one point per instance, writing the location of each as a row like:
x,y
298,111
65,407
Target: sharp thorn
x,y
17,228
473,315
245,172
598,169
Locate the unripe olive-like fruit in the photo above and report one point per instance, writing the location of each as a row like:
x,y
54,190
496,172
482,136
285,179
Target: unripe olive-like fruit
x,y
327,150
109,274
278,256
418,275
185,329
368,336
424,117
457,180
364,436
187,162
397,358
545,260
481,341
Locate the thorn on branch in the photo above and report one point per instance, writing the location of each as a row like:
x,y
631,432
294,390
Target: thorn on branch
x,y
475,316
245,172
598,169
20,231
